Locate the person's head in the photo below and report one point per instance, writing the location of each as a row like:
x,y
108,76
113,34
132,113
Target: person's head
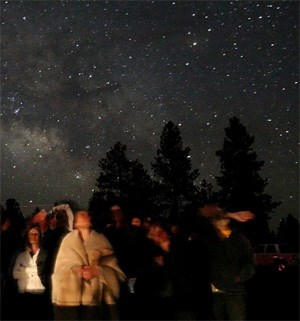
x,y
209,210
116,210
159,233
62,219
58,219
117,215
82,220
34,235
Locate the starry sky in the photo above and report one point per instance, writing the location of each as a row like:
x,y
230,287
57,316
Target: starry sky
x,y
79,76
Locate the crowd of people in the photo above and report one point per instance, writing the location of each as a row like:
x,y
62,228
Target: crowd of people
x,y
56,266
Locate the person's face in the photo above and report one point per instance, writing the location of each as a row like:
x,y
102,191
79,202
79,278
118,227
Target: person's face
x,y
82,220
157,234
116,213
34,236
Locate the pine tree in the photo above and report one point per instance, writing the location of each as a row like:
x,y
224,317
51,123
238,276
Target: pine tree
x,y
292,226
288,230
140,190
173,170
115,171
121,179
206,193
282,231
242,188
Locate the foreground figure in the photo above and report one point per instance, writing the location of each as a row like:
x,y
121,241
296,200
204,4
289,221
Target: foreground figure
x,y
86,278
231,263
30,271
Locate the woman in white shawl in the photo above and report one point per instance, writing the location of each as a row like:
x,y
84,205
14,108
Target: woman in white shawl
x,y
86,274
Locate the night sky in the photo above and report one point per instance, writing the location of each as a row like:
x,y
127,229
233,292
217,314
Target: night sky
x,y
78,76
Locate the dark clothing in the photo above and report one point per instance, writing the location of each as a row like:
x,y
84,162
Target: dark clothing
x,y
132,250
179,287
231,261
76,313
128,243
12,242
9,292
43,263
230,306
33,307
43,267
84,312
51,242
231,264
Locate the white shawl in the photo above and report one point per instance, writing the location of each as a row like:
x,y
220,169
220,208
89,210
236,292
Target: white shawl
x,y
69,289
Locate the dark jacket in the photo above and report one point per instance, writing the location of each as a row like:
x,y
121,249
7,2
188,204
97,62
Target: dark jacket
x,y
231,261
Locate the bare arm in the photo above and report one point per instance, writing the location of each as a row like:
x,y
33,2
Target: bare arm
x,y
241,216
214,211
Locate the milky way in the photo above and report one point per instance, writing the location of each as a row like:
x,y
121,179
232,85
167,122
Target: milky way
x,y
78,76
